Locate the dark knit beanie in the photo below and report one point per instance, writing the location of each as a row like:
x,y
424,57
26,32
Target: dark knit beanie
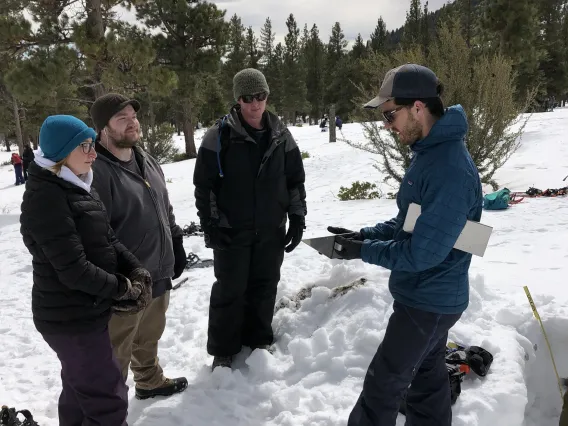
x,y
105,107
61,134
249,81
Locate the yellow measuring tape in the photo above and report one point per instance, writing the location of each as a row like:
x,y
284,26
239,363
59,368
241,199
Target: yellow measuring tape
x,y
537,316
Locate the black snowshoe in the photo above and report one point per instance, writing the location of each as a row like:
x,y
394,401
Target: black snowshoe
x,y
194,261
9,417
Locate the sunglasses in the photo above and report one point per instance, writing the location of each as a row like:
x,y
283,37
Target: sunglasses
x,y
87,147
247,99
389,115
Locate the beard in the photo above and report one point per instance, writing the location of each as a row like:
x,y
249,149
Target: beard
x,y
124,140
411,133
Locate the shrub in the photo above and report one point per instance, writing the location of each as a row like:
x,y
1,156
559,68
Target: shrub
x,y
305,154
359,191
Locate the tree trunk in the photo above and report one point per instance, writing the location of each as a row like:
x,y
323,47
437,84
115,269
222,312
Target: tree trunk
x,y
96,33
19,137
151,114
332,137
7,142
188,130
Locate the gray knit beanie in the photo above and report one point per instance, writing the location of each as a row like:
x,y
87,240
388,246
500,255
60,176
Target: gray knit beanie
x,y
249,81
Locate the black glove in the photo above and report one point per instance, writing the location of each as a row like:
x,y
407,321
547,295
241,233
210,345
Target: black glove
x,y
295,232
215,238
346,233
351,249
180,257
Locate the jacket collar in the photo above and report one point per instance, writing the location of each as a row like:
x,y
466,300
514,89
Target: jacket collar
x,y
451,127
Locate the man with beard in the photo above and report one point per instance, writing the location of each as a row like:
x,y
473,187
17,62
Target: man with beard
x,y
429,278
132,187
249,179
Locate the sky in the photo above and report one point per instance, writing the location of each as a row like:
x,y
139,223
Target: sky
x,y
355,16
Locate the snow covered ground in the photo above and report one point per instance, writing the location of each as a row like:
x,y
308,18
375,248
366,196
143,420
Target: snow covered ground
x,y
326,343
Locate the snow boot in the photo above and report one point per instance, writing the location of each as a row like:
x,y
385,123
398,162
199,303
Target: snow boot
x,y
222,361
170,387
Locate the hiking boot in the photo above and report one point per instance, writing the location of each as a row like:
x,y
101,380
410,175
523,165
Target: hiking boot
x,y
268,348
170,387
222,361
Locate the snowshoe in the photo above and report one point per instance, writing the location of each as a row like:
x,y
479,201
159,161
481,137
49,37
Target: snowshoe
x,y
193,262
9,417
193,229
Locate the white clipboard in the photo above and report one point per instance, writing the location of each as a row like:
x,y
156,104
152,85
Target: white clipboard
x,y
473,239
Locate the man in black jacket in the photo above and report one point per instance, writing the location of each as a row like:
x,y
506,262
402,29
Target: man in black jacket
x,y
248,178
132,186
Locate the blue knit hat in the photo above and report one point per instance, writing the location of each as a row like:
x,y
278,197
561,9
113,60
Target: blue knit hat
x,y
61,134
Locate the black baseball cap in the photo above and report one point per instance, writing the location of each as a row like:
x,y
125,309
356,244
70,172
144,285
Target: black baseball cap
x,y
410,81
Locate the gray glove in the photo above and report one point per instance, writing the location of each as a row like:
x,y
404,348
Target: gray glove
x,y
138,294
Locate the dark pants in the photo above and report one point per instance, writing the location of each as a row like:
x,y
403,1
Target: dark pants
x,y
26,166
242,299
94,392
19,176
412,353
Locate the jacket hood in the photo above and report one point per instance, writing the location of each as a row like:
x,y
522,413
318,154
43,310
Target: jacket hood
x,y
451,127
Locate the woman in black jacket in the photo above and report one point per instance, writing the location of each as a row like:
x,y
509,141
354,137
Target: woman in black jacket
x,y
81,273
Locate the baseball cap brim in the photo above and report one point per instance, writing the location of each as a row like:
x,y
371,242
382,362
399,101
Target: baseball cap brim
x,y
376,102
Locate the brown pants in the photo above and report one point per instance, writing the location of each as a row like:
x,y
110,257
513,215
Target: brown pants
x,y
135,342
564,415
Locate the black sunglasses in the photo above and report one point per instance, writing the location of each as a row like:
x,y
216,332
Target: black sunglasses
x,y
87,147
247,99
389,115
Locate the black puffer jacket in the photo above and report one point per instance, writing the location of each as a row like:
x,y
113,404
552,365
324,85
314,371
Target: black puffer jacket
x,y
255,192
74,255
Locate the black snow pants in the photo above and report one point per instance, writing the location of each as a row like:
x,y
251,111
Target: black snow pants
x,y
243,296
413,352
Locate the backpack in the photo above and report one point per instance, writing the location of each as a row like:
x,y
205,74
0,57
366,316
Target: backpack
x,y
497,200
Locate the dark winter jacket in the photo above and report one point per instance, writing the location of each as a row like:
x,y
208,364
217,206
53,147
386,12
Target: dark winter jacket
x,y
74,255
139,210
256,190
427,272
28,155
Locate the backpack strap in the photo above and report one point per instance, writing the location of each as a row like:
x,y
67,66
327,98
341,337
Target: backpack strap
x,y
221,127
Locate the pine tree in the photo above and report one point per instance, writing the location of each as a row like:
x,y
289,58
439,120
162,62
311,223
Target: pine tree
x,y
254,54
266,42
379,37
412,27
191,42
512,29
335,53
314,54
425,29
275,79
359,50
236,58
294,96
554,64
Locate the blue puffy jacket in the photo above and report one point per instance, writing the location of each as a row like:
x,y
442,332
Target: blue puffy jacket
x,y
427,272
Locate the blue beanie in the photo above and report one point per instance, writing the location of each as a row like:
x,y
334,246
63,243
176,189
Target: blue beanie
x,y
61,134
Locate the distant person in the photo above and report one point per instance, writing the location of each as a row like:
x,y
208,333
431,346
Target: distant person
x,y
80,273
27,157
16,161
338,123
429,279
323,123
249,180
133,189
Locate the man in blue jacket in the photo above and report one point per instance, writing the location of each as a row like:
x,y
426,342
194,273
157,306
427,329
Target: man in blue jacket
x,y
429,278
